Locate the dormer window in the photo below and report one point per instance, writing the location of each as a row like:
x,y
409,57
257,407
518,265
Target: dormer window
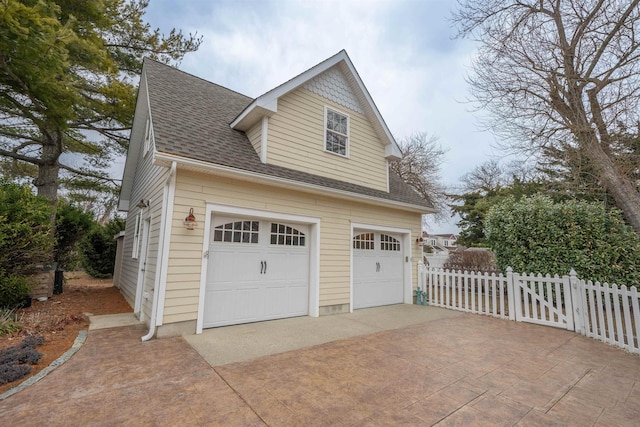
x,y
336,132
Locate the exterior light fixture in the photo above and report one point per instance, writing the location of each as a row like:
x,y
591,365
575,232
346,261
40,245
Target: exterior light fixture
x,y
419,240
190,221
142,204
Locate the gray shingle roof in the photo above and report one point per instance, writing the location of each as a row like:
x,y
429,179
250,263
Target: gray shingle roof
x,y
191,119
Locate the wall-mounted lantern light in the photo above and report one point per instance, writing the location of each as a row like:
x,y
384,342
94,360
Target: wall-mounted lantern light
x,y
190,221
142,204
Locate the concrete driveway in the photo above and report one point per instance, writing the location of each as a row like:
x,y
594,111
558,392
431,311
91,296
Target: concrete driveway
x,y
457,369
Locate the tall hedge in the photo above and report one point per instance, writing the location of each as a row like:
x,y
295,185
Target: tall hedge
x,y
25,234
536,235
99,248
72,225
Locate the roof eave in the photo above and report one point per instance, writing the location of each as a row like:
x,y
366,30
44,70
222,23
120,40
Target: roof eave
x,y
163,159
254,113
133,150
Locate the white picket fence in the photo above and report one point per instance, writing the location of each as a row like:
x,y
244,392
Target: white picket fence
x,y
605,312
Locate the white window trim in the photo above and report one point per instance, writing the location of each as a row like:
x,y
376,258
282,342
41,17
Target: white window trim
x,y
324,134
137,236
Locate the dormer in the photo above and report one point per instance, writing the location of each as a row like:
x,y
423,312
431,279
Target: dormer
x,y
322,122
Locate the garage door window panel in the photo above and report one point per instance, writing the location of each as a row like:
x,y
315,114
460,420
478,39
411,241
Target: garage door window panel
x,y
285,235
389,243
237,232
364,241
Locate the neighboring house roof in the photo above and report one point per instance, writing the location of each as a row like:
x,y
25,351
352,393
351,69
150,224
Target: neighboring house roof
x,y
445,236
191,119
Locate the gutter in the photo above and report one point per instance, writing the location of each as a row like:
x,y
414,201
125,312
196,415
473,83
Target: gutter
x,y
163,252
206,167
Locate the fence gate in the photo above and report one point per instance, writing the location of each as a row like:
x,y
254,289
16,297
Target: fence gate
x,y
543,300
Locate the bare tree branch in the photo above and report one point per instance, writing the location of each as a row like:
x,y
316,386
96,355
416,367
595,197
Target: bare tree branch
x,y
561,75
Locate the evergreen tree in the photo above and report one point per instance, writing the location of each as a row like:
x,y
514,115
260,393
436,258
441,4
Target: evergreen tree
x,y
68,82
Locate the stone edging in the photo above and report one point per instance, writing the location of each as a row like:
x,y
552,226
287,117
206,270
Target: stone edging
x,y
80,339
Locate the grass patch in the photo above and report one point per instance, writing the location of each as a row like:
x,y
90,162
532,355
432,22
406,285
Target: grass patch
x,y
9,322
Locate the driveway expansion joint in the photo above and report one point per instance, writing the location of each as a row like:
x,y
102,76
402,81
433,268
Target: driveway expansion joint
x,y
79,341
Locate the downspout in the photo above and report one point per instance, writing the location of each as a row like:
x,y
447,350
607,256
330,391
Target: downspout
x,y
165,230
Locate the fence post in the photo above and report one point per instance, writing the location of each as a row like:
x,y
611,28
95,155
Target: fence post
x,y
511,300
577,298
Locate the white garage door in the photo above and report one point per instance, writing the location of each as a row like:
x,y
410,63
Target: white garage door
x,y
377,269
258,270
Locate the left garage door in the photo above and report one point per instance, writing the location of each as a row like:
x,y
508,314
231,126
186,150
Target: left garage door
x,y
258,270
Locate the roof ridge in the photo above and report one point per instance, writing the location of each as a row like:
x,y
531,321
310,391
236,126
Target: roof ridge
x,y
302,72
146,58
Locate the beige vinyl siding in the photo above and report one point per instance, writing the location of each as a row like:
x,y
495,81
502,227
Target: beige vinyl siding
x,y
296,140
194,190
148,185
255,136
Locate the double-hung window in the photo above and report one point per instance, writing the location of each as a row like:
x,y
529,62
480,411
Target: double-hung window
x,y
336,132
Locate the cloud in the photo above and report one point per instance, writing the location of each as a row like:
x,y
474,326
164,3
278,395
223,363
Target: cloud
x,y
404,52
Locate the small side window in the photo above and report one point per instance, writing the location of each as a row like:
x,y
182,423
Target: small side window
x,y
137,236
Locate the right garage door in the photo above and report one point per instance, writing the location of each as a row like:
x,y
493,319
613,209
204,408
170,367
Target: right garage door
x,y
377,269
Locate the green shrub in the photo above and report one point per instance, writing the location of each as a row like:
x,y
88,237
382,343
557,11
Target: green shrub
x,y
536,235
99,248
72,225
13,290
25,229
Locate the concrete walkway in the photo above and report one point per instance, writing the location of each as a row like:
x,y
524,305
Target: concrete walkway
x,y
238,343
459,370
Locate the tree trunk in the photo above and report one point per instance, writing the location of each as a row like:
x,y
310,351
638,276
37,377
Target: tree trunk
x,y
621,188
47,184
47,180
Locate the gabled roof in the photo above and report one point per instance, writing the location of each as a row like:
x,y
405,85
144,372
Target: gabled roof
x,y
267,104
191,118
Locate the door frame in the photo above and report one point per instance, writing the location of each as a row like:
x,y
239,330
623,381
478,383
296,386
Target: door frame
x,y
314,250
405,236
142,268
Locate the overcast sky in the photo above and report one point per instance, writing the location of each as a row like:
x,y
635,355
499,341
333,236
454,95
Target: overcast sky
x,y
404,51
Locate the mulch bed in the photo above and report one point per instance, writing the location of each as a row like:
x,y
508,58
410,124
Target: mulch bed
x,y
62,317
